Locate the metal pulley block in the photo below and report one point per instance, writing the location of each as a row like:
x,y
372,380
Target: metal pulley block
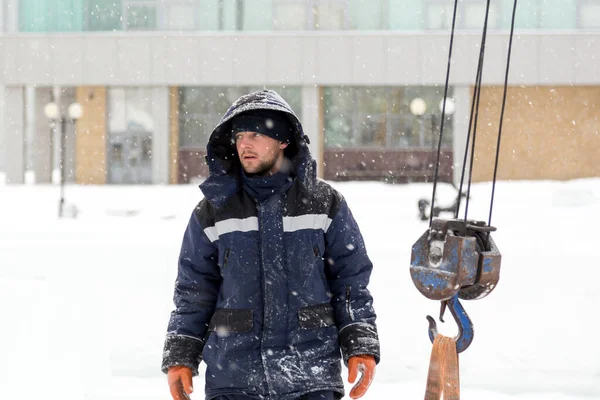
x,y
455,257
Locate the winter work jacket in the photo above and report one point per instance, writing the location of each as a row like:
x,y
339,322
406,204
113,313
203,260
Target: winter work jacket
x,y
272,295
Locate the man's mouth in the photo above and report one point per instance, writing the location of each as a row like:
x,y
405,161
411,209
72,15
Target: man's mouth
x,y
249,157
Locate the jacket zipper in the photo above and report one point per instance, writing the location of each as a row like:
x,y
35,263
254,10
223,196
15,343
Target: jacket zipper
x,y
348,303
321,268
226,257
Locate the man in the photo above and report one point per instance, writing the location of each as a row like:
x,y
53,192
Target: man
x,y
273,271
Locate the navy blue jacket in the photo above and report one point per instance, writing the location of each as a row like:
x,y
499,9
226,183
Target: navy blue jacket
x,y
272,295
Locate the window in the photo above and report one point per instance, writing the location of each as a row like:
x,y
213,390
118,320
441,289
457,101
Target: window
x,y
380,117
104,15
589,15
439,16
470,14
130,129
140,16
47,16
474,16
310,14
330,15
201,109
369,14
179,15
290,15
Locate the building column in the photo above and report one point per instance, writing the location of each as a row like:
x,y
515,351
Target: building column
x,y
90,140
160,136
460,129
42,147
173,135
2,133
311,123
13,122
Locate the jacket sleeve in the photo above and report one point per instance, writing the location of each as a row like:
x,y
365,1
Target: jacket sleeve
x,y
348,272
196,289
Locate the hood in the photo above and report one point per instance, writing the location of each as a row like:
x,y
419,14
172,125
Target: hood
x,y
221,155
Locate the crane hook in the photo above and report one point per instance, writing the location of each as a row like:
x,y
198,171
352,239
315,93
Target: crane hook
x,y
465,326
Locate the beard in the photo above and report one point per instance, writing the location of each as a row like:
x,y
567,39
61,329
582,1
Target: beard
x,y
260,169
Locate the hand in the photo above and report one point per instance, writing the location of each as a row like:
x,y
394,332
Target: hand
x,y
366,365
180,382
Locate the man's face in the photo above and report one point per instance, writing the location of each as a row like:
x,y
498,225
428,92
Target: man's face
x,y
259,154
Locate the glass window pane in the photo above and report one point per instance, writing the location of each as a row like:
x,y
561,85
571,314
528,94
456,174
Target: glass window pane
x,y
139,110
401,131
201,109
475,16
208,15
330,16
130,130
180,16
371,130
140,17
257,15
104,15
367,14
194,132
381,117
589,15
292,95
371,100
558,14
439,16
116,110
338,111
45,16
290,16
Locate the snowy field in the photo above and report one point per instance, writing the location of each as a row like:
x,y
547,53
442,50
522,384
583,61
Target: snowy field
x,y
84,302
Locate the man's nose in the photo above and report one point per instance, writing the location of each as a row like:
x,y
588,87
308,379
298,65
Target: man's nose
x,y
244,142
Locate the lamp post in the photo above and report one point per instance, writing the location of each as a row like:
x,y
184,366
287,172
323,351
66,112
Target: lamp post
x,y
52,112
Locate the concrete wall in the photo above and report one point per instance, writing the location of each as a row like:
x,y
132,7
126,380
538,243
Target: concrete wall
x,y
173,135
42,148
161,136
13,124
327,58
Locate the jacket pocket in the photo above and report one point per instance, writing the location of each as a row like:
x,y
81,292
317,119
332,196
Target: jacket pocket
x,y
227,320
318,316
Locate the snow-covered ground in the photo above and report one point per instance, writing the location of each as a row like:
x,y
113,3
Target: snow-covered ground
x,y
84,302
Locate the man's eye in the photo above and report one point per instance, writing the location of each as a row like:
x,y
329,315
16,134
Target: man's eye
x,y
256,134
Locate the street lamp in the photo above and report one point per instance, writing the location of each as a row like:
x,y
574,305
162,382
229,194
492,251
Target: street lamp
x,y
418,108
450,106
52,112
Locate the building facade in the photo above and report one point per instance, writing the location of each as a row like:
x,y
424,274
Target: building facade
x,y
154,77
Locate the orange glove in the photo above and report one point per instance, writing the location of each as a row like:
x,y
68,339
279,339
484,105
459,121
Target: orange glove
x,y
180,382
366,365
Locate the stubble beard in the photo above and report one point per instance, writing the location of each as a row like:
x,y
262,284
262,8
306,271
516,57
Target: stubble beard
x,y
263,168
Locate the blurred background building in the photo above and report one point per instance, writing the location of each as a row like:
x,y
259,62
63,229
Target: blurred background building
x,y
154,77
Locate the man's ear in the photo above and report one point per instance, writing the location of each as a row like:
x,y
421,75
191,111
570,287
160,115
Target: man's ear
x,y
283,145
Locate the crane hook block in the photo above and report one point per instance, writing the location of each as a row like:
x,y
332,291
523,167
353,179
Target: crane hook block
x,y
455,257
